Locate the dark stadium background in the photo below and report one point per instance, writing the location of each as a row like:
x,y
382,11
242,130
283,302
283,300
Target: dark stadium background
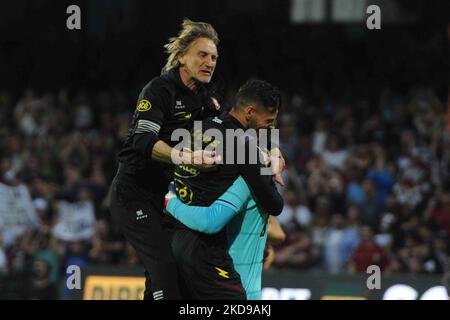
x,y
377,97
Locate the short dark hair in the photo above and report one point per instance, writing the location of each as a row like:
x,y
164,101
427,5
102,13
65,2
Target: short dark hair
x,y
259,93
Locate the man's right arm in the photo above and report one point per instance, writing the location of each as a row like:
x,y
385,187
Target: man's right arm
x,y
153,102
162,152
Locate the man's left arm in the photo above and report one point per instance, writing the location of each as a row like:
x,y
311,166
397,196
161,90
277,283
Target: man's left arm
x,y
212,219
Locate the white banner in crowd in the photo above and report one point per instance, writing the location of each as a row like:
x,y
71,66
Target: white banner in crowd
x,y
16,210
76,221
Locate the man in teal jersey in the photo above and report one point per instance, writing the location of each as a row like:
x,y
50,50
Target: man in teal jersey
x,y
246,228
205,266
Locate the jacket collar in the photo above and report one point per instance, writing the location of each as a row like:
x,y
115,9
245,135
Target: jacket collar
x,y
226,116
173,75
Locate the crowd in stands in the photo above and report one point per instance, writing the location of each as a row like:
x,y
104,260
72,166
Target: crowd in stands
x,y
367,182
367,186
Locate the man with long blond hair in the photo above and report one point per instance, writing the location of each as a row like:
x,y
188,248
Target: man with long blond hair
x,y
175,99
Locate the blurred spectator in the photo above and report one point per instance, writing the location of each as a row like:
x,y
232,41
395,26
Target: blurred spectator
x,y
370,209
320,223
367,253
438,212
354,190
77,254
298,252
352,216
382,175
20,253
384,238
3,260
441,254
41,287
75,221
45,252
295,215
340,242
411,256
320,136
106,249
333,155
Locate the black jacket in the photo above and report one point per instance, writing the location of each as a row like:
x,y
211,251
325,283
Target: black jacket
x,y
164,105
203,188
